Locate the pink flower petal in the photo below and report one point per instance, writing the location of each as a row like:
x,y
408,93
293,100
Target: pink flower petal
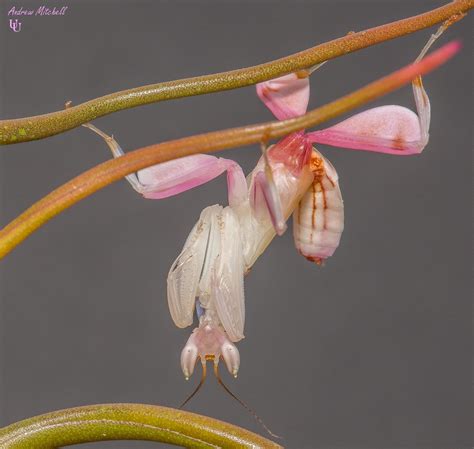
x,y
386,129
286,97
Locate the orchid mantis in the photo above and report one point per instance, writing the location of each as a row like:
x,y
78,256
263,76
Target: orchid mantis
x,y
291,178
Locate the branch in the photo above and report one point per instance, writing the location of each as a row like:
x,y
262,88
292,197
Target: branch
x,y
128,422
41,126
115,169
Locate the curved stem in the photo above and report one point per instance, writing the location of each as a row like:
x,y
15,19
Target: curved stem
x,y
115,169
41,126
127,422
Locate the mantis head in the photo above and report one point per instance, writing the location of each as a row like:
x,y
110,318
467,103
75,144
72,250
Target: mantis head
x,y
209,342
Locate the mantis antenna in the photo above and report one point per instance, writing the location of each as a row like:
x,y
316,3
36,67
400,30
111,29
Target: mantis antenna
x,y
201,383
242,403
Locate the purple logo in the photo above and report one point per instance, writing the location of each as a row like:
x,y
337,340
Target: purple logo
x,y
15,25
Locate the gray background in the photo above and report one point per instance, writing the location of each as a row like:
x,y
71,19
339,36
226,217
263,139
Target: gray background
x,y
371,351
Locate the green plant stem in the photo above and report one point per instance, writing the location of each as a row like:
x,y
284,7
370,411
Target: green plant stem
x,y
41,126
127,422
115,169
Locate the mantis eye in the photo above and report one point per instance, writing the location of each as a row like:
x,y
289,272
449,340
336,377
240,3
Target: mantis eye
x,y
231,357
189,355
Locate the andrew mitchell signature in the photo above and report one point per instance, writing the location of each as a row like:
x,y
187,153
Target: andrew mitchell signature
x,y
16,24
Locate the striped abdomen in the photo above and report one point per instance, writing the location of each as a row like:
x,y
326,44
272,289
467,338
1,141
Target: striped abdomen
x,y
318,221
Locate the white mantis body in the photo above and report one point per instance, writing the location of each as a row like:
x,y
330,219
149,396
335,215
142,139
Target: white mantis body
x,y
291,177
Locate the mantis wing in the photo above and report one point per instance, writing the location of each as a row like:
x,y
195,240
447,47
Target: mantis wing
x,y
228,277
185,273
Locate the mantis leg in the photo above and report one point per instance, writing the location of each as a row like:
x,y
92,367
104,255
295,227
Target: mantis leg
x,y
117,152
386,129
264,196
179,175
